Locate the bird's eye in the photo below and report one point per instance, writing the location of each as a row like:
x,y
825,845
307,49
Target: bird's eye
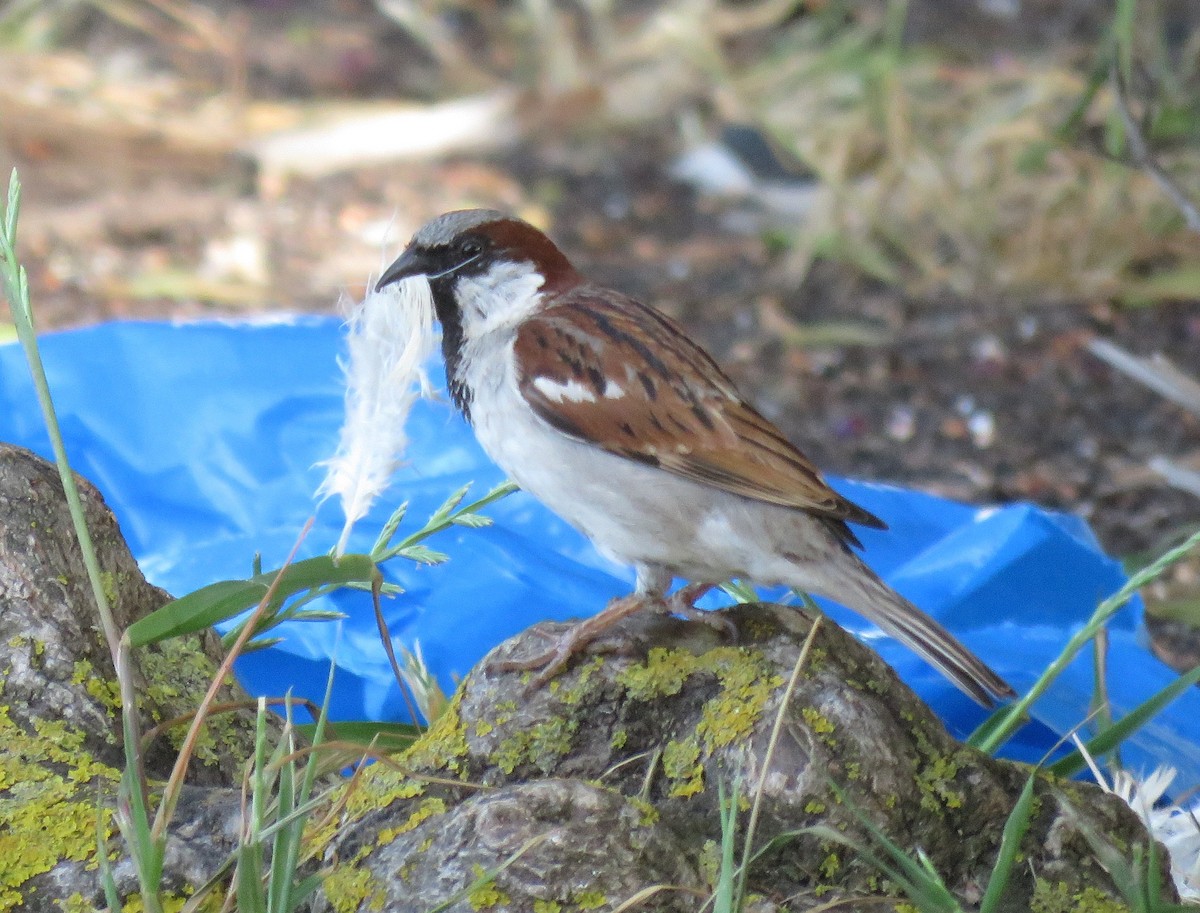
x,y
471,247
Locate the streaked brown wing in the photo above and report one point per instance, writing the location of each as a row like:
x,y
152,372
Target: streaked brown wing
x,y
621,376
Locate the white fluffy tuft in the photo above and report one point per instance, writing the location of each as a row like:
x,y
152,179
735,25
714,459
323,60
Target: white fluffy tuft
x,y
390,339
1176,827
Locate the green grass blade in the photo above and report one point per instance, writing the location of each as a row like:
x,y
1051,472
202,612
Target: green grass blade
x,y
304,889
107,879
723,901
916,877
1015,829
1112,736
284,845
1014,715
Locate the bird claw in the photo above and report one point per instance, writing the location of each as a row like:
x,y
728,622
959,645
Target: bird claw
x,y
584,634
576,639
683,603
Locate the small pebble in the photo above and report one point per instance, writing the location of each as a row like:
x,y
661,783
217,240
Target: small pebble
x,y
616,206
982,426
849,426
901,424
988,348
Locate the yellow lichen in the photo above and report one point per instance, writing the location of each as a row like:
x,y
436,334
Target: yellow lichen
x,y
444,744
590,900
830,866
746,687
934,780
820,725
105,692
348,888
542,745
428,808
647,813
547,906
171,903
378,787
581,686
1060,898
48,810
109,584
179,673
681,764
746,683
485,895
662,675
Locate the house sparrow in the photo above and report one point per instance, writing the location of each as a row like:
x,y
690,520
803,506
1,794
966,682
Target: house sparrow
x,y
606,412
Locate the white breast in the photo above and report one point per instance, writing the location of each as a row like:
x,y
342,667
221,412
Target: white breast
x,y
633,512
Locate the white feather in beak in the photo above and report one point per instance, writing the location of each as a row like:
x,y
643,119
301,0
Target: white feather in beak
x,y
391,337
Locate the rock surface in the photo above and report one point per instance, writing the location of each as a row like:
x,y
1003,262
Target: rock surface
x,y
60,751
668,728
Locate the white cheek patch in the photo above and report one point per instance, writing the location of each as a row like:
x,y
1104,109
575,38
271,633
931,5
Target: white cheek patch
x,y
503,296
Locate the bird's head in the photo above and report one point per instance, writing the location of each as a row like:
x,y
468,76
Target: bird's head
x,y
486,269
488,272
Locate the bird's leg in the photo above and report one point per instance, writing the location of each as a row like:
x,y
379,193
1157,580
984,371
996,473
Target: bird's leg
x,y
683,603
552,661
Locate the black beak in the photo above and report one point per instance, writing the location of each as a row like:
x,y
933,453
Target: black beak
x,y
409,263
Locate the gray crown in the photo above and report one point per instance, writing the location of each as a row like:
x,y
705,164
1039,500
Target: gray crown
x,y
445,228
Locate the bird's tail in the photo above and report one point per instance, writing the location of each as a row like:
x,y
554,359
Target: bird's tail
x,y
860,589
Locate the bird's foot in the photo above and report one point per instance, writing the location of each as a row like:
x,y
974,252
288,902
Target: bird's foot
x,y
683,603
552,661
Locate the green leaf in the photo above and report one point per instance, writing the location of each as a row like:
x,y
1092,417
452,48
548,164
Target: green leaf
x,y
305,889
13,210
423,554
253,646
472,520
389,530
224,600
443,513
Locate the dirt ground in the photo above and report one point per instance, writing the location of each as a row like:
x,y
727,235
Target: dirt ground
x,y
981,400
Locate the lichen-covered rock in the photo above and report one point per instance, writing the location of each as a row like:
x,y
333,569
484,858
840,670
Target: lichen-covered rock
x,y
60,750
551,845
686,716
55,662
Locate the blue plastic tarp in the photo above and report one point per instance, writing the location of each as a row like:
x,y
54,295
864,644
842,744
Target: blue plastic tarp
x,y
206,438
